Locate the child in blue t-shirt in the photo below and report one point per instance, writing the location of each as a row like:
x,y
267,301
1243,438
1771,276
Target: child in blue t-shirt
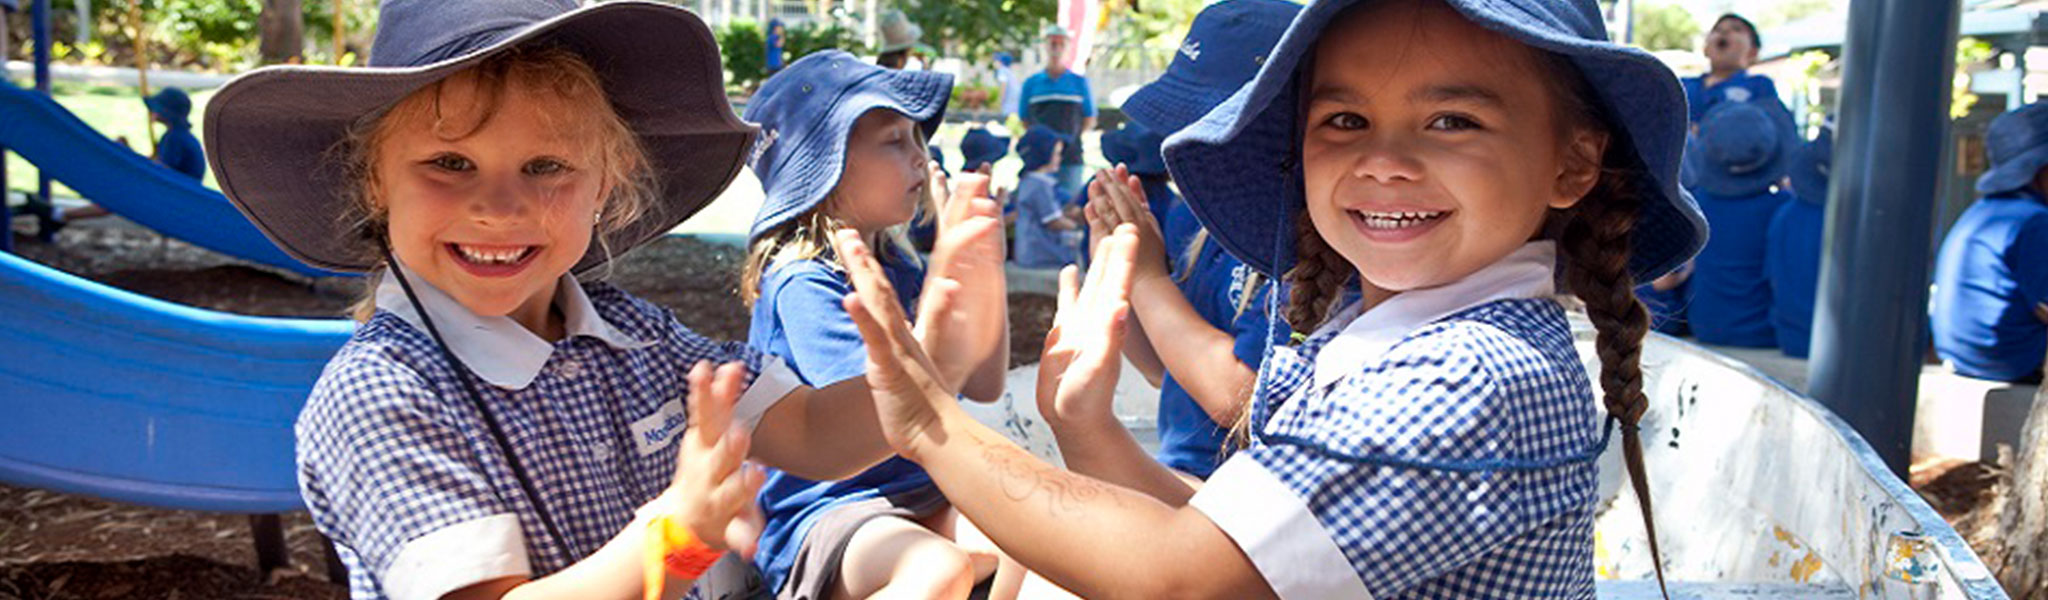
x,y
1793,247
849,151
1990,306
1435,435
1046,238
1731,48
1738,159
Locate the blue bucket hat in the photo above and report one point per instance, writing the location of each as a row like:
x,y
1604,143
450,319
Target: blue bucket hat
x,y
806,113
1810,167
980,146
1037,144
269,132
1742,148
173,105
1224,48
1135,147
1242,159
2018,145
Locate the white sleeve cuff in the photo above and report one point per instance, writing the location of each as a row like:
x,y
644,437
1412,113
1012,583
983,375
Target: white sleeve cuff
x,y
1274,527
775,381
458,556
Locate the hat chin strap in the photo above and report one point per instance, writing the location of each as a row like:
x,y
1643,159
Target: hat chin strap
x,y
476,399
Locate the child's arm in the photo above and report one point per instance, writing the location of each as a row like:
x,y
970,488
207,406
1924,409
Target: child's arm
x,y
713,494
1202,358
1096,539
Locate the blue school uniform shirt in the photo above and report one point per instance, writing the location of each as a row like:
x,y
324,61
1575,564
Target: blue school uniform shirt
x,y
1217,284
1792,263
1038,203
1060,103
1740,87
1179,228
179,151
1729,297
1991,274
1440,444
799,316
397,468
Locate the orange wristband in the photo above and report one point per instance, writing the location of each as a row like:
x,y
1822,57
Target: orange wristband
x,y
671,549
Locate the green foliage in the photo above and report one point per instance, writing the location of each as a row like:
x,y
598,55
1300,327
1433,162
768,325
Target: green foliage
x,y
1969,51
1148,38
1665,26
1782,12
743,45
975,30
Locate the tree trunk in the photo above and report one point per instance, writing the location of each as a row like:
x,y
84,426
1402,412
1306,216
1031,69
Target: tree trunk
x,y
283,31
2024,572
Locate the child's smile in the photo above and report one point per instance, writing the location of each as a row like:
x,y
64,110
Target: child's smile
x,y
1422,166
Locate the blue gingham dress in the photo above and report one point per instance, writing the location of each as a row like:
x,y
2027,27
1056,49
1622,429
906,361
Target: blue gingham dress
x,y
390,449
1457,464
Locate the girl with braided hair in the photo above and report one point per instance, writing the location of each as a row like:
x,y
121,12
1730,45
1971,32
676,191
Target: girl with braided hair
x,y
1428,176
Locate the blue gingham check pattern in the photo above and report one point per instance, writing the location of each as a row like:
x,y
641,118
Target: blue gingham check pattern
x,y
1458,465
391,450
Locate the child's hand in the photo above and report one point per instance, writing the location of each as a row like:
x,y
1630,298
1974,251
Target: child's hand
x,y
1115,198
714,488
910,401
1083,356
968,257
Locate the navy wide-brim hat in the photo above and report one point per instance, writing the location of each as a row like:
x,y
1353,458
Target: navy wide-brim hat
x,y
1742,148
980,146
1225,45
1135,147
270,132
1239,166
2018,147
1810,168
172,105
806,113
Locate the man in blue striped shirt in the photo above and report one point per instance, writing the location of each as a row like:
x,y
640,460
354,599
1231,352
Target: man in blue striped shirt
x,y
1060,99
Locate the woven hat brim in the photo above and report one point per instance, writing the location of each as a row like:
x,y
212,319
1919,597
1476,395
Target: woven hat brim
x,y
272,133
805,177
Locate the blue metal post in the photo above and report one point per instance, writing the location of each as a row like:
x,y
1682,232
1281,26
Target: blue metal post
x,y
1872,307
40,22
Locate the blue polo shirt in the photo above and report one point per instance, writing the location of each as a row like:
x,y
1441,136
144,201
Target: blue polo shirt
x,y
1730,298
1060,103
1991,274
179,151
1217,285
1792,264
1740,87
799,316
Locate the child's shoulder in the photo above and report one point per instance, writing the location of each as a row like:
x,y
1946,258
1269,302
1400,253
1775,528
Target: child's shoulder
x,y
1505,338
798,275
387,365
634,316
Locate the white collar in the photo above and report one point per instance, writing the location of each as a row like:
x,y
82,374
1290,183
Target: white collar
x,y
1528,272
498,349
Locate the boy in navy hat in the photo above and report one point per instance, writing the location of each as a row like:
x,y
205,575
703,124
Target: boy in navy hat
x,y
177,150
1990,308
1731,48
1792,249
1045,236
1739,155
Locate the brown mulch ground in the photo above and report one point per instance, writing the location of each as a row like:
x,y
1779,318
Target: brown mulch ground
x,y
62,546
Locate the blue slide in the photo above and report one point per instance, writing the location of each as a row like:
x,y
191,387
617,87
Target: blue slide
x,y
129,184
111,394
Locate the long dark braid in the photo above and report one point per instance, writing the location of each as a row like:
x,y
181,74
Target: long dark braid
x,y
1596,247
1317,279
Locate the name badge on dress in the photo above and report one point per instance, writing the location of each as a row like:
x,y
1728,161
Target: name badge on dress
x,y
655,432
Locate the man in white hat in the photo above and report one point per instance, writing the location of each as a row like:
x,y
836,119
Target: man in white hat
x,y
1060,99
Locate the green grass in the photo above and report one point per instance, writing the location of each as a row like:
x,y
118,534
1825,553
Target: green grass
x,y
114,111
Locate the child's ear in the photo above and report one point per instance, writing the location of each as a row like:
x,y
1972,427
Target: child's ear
x,y
1579,166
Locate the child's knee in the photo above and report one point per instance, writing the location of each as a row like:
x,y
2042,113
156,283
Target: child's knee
x,y
944,568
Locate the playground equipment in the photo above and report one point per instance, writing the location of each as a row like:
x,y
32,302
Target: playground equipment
x,y
66,149
119,396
